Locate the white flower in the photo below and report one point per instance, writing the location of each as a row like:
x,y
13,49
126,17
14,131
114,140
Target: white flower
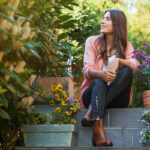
x,y
14,30
20,21
6,77
32,35
14,3
27,101
31,79
17,45
141,132
6,24
30,4
30,16
1,55
143,121
27,31
35,95
20,67
11,68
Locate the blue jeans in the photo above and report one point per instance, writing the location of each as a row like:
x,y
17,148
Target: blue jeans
x,y
116,95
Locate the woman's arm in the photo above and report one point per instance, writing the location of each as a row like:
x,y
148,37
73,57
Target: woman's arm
x,y
129,61
119,62
89,70
124,62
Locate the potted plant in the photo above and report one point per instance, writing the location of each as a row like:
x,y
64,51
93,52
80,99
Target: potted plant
x,y
142,76
145,132
61,125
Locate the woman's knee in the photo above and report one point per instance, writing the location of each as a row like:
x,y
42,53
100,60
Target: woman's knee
x,y
126,71
99,82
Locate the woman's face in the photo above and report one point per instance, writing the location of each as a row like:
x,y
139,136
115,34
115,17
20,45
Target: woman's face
x,y
106,24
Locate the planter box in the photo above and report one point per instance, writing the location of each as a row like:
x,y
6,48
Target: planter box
x,y
49,135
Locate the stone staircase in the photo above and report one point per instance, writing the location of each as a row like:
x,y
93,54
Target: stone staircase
x,y
121,126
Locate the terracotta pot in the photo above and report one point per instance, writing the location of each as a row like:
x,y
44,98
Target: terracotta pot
x,y
146,98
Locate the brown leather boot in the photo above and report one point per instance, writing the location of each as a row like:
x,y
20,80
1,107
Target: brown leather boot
x,y
99,137
87,119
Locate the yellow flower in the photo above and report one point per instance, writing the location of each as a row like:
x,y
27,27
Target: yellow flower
x,y
68,113
60,90
51,117
53,88
73,121
64,93
59,86
78,106
57,110
63,103
51,103
73,109
76,99
66,98
57,97
47,114
56,88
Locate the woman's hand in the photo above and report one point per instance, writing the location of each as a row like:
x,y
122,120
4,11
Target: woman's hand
x,y
108,75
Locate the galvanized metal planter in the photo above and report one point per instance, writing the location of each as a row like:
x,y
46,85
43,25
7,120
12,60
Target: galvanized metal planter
x,y
49,135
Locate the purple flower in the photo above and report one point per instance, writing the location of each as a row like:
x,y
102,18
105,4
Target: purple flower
x,y
145,45
49,96
71,99
140,66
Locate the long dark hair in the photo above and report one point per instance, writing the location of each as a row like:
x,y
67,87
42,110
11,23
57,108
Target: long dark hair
x,y
120,35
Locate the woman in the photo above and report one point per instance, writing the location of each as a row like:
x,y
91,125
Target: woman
x,y
108,66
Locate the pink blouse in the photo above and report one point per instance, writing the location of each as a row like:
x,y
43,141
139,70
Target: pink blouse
x,y
89,63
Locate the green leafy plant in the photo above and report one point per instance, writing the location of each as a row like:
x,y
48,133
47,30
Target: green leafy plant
x,y
30,45
145,133
38,118
141,78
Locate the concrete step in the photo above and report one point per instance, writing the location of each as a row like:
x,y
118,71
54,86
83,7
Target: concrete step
x,y
121,125
119,117
82,148
120,136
